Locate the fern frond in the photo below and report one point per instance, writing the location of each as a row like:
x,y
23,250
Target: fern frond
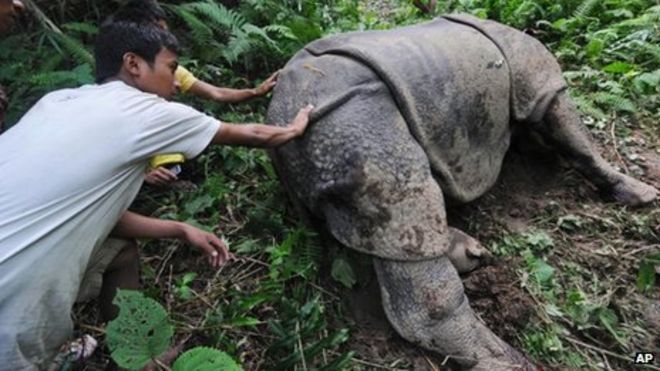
x,y
583,74
585,8
588,108
614,101
251,30
650,18
54,79
218,14
198,28
237,46
281,30
81,27
73,47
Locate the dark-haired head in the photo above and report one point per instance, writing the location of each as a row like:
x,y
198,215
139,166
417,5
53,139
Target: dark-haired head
x,y
139,11
127,50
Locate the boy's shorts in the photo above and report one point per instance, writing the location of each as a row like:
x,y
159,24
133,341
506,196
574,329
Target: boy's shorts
x,y
102,256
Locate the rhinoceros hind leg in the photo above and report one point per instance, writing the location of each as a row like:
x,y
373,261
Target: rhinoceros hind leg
x,y
425,303
563,128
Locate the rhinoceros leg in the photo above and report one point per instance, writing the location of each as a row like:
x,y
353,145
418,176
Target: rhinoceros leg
x,y
425,302
563,128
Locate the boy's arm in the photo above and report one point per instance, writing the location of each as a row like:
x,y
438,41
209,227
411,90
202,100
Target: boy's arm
x,y
3,108
226,95
258,135
133,225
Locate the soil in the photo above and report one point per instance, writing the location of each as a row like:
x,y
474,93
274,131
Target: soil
x,y
495,294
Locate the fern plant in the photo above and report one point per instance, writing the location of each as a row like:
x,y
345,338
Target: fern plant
x,y
221,33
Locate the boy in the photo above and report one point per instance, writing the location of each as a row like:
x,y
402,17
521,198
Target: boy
x,y
72,166
149,12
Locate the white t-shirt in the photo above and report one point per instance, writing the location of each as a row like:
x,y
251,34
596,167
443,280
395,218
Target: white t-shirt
x,y
68,171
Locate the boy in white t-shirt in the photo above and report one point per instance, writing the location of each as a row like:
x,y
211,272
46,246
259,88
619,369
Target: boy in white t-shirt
x,y
71,168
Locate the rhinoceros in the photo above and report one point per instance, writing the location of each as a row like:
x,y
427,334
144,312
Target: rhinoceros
x,y
406,119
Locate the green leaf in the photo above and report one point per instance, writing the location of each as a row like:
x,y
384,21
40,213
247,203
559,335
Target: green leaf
x,y
594,47
541,240
619,67
553,310
342,272
647,82
245,321
198,204
609,319
188,278
205,359
570,222
141,331
646,276
542,271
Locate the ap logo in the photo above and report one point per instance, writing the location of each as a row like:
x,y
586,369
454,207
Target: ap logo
x,y
644,358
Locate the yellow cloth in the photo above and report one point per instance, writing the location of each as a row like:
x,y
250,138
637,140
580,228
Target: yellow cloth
x,y
185,78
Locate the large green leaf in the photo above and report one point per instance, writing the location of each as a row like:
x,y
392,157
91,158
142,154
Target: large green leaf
x,y
205,359
141,331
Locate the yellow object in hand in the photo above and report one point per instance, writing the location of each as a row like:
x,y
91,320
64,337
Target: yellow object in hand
x,y
166,159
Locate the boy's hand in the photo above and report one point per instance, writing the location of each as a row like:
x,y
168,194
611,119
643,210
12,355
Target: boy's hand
x,y
213,247
301,120
267,85
159,176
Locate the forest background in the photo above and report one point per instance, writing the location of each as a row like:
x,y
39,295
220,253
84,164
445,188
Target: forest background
x,y
584,271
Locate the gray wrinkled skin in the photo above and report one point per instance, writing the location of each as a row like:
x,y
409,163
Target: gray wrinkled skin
x,y
404,119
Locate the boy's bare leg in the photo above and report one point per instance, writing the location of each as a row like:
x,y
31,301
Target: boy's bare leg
x,y
563,128
122,273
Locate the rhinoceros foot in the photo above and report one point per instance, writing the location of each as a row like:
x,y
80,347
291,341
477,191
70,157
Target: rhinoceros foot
x,y
509,359
633,192
466,253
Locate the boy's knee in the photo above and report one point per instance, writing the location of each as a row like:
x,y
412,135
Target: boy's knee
x,y
129,255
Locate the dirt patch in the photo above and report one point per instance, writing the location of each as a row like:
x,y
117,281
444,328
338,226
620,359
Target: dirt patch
x,y
495,294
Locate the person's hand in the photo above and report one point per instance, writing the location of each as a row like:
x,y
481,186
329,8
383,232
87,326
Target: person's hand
x,y
302,119
215,249
267,85
159,176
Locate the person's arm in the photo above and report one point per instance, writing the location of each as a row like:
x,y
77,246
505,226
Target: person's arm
x,y
4,102
263,136
226,95
133,225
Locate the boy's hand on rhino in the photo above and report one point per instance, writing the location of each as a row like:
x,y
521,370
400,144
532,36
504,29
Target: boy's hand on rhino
x,y
267,85
159,176
215,248
302,119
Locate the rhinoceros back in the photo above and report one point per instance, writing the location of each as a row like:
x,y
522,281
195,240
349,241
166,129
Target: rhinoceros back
x,y
390,107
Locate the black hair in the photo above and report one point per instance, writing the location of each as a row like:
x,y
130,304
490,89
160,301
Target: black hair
x,y
118,38
138,11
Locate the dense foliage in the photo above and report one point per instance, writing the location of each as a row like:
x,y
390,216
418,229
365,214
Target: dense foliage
x,y
268,309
